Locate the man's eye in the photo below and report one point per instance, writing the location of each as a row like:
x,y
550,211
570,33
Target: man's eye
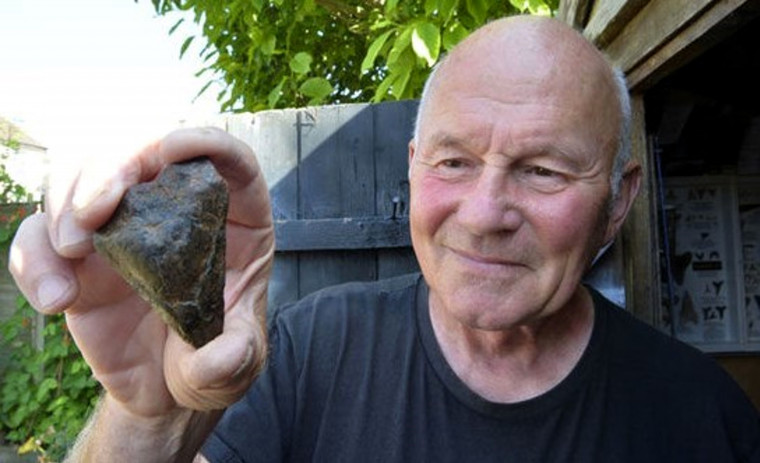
x,y
452,163
541,171
542,179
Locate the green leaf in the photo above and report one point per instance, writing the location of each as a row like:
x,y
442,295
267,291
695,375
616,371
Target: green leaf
x,y
17,417
399,84
381,23
539,7
204,88
400,45
382,89
301,63
47,385
446,8
520,5
307,7
454,34
390,7
249,46
9,396
478,9
275,94
426,42
317,88
372,52
175,26
185,45
430,7
57,403
268,44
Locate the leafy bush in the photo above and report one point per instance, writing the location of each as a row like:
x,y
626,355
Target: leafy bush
x,y
279,54
45,396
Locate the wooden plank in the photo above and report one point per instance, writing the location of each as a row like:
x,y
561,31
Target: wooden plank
x,y
393,127
346,233
263,132
574,12
721,20
357,168
393,262
326,268
336,180
336,173
272,136
655,24
640,231
608,17
745,369
324,164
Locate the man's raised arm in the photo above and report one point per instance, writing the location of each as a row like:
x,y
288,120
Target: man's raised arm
x,y
163,397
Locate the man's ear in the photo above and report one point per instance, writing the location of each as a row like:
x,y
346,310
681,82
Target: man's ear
x,y
629,189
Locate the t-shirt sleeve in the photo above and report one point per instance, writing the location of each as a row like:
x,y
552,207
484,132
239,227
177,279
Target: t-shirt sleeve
x,y
741,422
257,427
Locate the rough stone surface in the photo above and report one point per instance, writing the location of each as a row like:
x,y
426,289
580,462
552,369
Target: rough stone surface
x,y
167,239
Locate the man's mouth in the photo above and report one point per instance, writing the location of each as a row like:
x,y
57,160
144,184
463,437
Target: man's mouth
x,y
485,259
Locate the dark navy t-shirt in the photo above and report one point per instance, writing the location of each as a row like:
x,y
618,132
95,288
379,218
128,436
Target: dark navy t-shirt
x,y
356,375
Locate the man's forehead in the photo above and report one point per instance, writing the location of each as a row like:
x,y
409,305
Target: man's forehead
x,y
531,34
528,47
479,139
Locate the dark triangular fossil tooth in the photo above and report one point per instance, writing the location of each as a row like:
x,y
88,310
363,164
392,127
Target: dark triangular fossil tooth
x,y
167,239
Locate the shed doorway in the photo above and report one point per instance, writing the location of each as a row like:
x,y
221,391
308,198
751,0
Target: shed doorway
x,y
703,133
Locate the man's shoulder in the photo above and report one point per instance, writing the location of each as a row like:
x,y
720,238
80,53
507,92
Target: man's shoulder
x,y
644,351
355,290
354,302
672,384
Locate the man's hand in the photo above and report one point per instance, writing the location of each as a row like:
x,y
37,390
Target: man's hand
x,y
146,368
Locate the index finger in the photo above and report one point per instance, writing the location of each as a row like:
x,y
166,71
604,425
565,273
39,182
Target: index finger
x,y
88,202
235,161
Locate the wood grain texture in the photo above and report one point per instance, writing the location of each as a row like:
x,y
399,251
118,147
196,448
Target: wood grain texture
x,y
338,183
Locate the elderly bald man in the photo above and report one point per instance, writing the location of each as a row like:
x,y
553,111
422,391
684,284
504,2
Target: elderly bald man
x,y
519,174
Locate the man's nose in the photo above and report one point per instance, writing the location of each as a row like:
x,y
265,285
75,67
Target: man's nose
x,y
491,204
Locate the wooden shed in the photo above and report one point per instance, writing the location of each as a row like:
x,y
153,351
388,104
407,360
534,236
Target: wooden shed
x,y
692,245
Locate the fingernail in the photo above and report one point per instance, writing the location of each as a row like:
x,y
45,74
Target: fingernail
x,y
50,291
70,235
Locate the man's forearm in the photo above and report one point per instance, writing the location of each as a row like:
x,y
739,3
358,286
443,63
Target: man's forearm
x,y
113,434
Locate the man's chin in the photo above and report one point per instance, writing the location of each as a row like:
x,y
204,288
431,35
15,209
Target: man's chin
x,y
488,308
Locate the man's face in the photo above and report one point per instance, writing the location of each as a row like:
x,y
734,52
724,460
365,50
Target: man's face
x,y
509,190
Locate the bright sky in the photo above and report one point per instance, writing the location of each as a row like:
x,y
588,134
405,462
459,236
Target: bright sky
x,y
95,77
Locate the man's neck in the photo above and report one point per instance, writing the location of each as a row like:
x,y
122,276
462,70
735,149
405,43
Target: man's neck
x,y
523,362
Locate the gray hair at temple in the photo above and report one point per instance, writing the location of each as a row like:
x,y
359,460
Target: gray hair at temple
x,y
623,154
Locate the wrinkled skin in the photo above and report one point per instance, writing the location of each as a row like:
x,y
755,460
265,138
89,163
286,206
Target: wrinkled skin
x,y
145,367
511,199
509,184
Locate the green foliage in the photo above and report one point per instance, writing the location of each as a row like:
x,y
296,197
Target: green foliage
x,y
277,53
14,199
10,191
45,396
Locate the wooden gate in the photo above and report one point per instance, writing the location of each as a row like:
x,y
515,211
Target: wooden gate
x,y
337,177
